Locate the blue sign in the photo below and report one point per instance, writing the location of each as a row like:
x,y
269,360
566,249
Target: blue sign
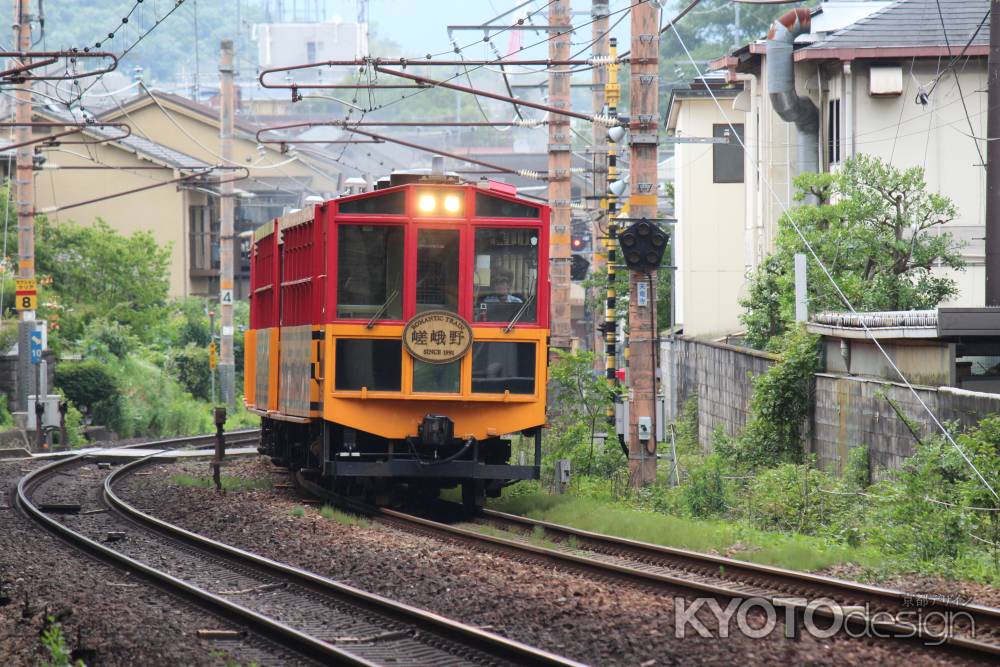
x,y
36,347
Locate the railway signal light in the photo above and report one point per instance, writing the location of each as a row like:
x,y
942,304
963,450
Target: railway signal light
x,y
579,245
643,245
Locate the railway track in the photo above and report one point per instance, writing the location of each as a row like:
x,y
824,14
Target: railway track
x,y
827,602
312,617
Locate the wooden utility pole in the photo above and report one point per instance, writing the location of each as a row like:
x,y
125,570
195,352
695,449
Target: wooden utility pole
x,y
599,78
993,162
643,338
227,365
559,175
24,194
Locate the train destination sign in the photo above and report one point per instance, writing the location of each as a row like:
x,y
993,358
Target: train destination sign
x,y
437,337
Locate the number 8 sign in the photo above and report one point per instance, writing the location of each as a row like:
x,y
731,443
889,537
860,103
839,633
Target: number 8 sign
x,y
26,294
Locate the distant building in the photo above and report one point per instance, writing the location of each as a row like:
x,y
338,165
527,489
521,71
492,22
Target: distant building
x,y
284,44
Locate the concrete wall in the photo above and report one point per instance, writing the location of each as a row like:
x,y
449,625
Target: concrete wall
x,y
710,226
852,412
848,412
719,375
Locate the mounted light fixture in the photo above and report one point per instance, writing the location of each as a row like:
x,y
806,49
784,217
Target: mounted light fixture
x,y
617,188
452,204
426,203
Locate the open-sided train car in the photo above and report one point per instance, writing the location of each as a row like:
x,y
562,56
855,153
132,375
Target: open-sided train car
x,y
396,336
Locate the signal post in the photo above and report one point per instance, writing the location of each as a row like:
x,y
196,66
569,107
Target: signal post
x,y
643,337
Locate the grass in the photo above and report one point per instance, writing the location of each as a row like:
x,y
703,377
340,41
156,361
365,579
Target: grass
x,y
332,514
297,512
796,552
228,483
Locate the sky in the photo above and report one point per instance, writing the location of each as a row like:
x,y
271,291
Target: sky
x,y
420,25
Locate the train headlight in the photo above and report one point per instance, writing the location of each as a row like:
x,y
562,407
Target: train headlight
x,y
426,203
452,204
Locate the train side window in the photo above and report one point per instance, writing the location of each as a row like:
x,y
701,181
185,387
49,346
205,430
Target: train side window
x,y
506,275
375,364
370,272
499,367
437,269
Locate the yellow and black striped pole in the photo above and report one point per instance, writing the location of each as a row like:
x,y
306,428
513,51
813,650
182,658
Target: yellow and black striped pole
x,y
612,95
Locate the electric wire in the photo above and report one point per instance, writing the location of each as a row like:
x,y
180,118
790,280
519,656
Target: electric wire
x,y
830,278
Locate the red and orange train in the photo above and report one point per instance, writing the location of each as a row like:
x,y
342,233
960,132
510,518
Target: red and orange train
x,y
397,337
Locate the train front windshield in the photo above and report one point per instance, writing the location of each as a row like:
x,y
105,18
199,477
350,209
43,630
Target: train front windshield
x,y
505,278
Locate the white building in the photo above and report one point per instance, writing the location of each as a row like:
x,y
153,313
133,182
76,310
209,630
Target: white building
x,y
851,77
284,44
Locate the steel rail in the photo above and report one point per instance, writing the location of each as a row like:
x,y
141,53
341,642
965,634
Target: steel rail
x,y
721,568
273,630
472,637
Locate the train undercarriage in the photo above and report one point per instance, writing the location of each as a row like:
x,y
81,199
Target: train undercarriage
x,y
352,463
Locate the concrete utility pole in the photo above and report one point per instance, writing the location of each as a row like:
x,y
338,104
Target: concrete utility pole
x,y
227,365
24,193
559,176
643,338
993,163
599,78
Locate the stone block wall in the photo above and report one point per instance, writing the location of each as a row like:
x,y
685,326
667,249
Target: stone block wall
x,y
720,375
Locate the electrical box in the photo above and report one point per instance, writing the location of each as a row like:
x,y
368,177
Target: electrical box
x,y
50,412
645,428
562,471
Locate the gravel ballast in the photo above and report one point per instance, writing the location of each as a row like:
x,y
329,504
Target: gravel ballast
x,y
601,622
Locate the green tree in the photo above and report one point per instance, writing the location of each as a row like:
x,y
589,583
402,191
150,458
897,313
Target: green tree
x,y
877,230
98,272
86,383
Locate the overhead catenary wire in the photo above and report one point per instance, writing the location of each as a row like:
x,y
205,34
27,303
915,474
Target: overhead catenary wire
x,y
829,276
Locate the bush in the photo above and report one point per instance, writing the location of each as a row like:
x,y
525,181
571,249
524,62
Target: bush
x,y
704,493
86,383
191,368
779,405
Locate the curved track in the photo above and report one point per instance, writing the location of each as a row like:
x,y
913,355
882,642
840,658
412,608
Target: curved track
x,y
311,616
880,613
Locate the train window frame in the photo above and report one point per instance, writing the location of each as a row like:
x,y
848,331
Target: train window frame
x,y
334,262
489,226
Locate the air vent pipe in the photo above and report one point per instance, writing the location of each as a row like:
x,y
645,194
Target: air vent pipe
x,y
781,86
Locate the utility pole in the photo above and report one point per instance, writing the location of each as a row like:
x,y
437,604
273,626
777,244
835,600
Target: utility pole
x,y
993,163
227,365
643,338
24,189
559,175
599,79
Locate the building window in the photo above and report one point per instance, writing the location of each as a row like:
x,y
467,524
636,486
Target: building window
x,y
311,52
833,132
727,159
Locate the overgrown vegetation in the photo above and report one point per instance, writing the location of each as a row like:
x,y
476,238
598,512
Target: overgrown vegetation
x,y
54,642
130,359
876,228
757,496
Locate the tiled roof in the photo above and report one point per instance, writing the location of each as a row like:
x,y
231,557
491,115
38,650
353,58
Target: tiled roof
x,y
914,24
143,147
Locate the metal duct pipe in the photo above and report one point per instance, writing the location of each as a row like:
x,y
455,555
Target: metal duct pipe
x,y
781,86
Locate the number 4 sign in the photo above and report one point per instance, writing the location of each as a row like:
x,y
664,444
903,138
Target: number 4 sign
x,y
226,297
